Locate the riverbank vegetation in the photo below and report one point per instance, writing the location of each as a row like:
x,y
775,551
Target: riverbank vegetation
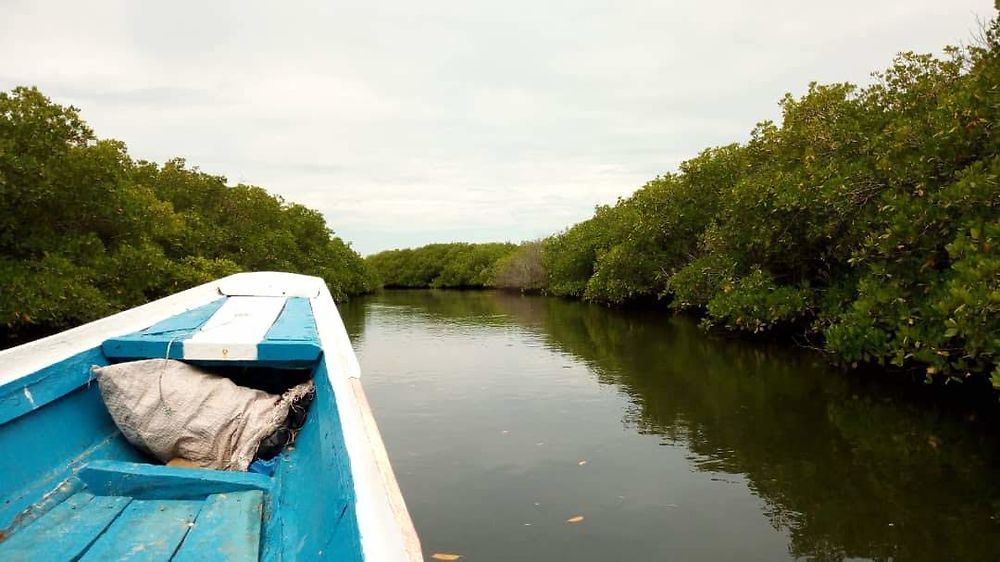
x,y
86,230
866,222
457,265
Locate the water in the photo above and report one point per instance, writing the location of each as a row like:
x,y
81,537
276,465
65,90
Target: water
x,y
505,416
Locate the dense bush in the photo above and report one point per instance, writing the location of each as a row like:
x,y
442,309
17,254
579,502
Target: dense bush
x,y
85,230
522,269
869,217
457,265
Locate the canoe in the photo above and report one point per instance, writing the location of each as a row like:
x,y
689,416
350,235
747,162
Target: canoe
x,y
73,488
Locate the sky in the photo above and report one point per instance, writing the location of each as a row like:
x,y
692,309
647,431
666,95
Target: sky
x,y
410,122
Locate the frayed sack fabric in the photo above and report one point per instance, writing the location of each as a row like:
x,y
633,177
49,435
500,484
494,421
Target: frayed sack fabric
x,y
174,410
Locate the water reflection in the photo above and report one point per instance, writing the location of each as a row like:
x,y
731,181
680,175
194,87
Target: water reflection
x,y
844,468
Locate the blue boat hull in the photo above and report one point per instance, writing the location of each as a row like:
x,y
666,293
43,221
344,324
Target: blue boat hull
x,y
73,488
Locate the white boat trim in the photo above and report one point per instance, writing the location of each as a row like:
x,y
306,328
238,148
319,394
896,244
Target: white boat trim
x,y
387,532
271,284
411,541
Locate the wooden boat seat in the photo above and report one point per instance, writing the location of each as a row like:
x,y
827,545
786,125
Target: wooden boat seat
x,y
153,481
146,512
239,330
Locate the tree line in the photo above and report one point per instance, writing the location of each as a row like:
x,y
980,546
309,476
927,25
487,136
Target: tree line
x,y
86,230
866,222
456,265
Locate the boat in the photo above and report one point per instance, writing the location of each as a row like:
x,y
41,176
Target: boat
x,y
72,487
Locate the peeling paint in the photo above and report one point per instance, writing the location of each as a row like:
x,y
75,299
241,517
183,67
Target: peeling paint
x,y
31,399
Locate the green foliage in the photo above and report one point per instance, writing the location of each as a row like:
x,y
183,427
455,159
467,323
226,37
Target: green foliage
x,y
756,304
867,217
457,265
570,257
694,285
86,231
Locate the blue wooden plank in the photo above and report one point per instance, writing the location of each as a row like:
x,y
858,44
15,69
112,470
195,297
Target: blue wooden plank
x,y
228,528
292,354
65,532
301,499
148,481
185,322
128,348
41,447
25,517
293,339
146,531
295,323
55,516
45,385
154,341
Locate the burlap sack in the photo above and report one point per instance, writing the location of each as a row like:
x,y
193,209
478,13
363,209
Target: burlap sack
x,y
171,409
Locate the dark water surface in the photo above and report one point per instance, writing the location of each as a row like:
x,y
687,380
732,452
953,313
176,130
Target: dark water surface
x,y
505,416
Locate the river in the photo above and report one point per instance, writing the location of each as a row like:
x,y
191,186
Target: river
x,y
506,417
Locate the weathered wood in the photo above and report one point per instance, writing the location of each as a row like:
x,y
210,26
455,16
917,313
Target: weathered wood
x,y
47,385
147,530
147,481
66,531
36,510
228,528
40,448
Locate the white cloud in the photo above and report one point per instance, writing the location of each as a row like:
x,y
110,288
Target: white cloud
x,y
410,122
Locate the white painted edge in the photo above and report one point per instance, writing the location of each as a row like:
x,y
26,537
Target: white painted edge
x,y
387,531
411,541
271,284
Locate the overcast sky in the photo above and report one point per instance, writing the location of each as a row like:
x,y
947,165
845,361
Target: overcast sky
x,y
409,122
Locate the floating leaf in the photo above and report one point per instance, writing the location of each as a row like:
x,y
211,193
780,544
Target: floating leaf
x,y
575,519
445,556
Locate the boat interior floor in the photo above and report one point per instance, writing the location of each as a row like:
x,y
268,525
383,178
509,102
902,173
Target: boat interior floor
x,y
112,510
